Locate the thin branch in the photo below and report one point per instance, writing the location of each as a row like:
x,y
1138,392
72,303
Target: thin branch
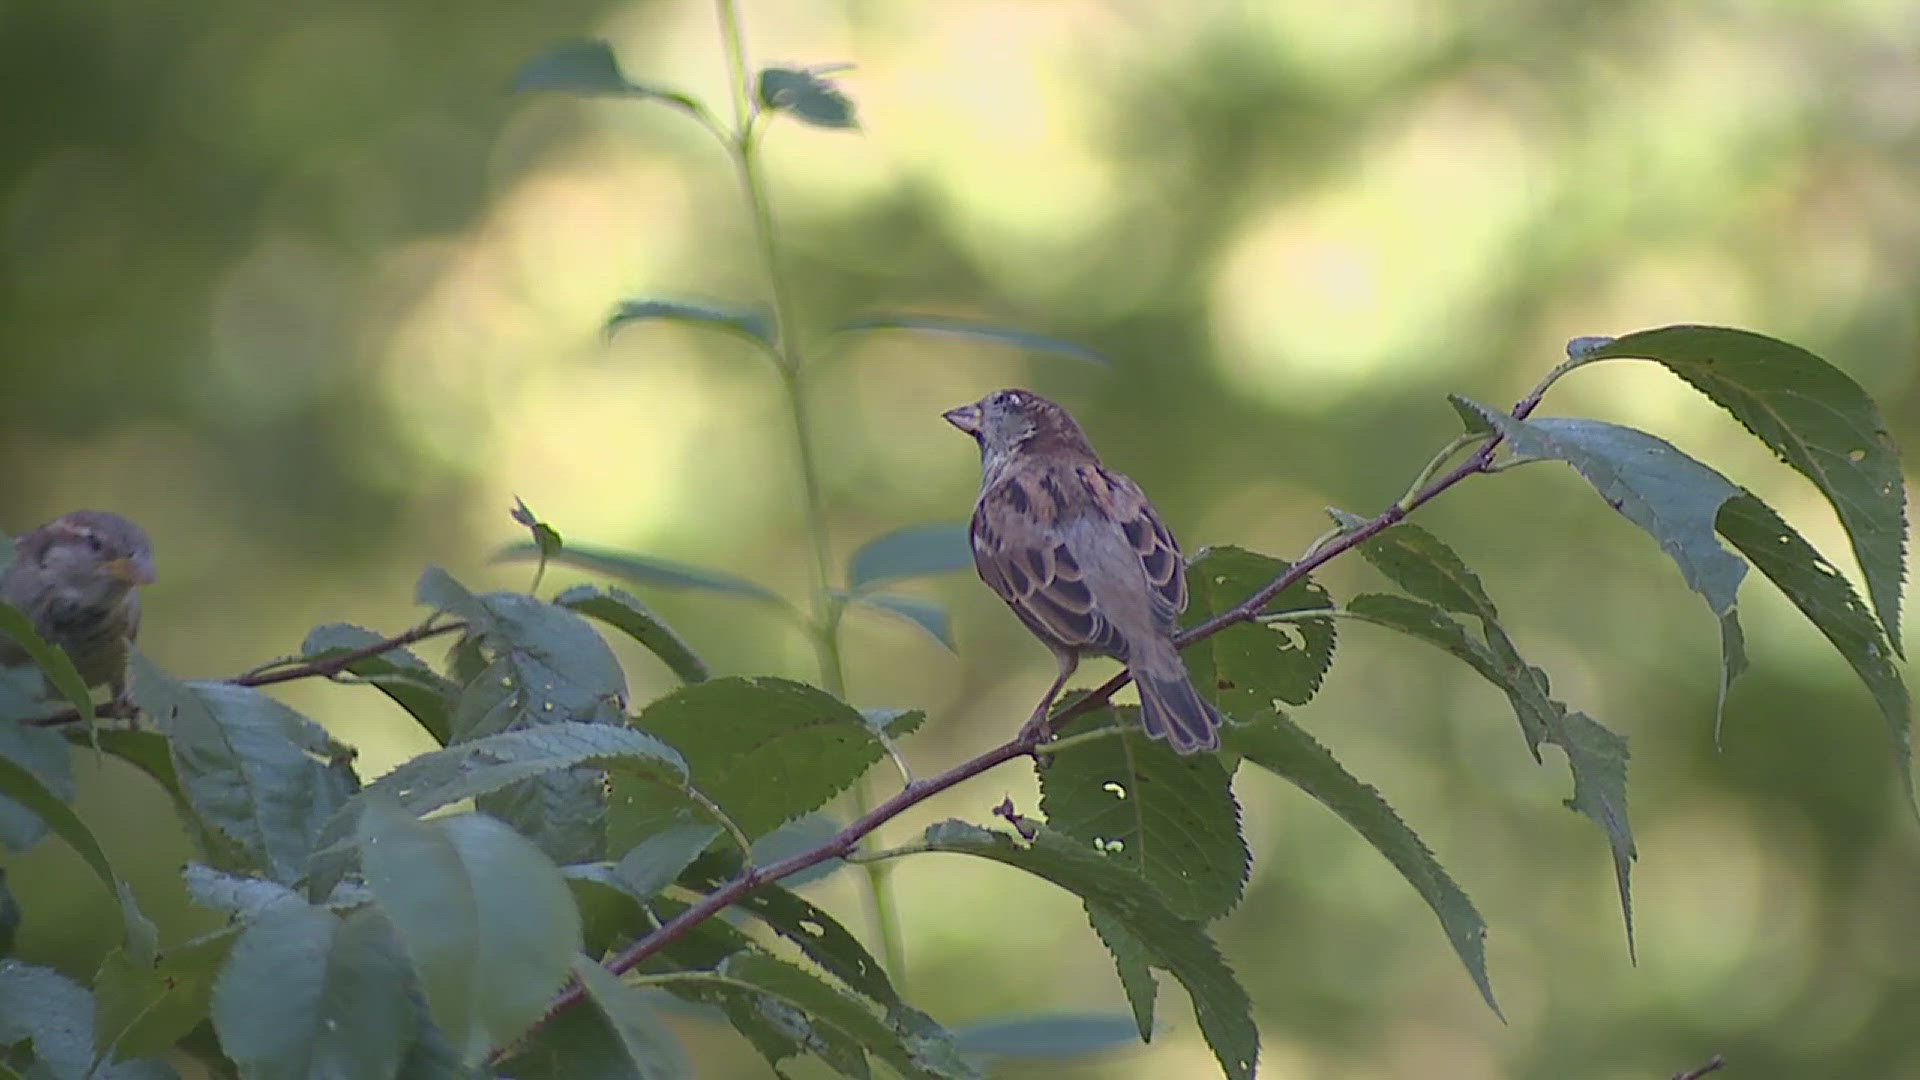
x,y
1713,1064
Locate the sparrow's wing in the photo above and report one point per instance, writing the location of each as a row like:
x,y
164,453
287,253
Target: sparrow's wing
x,y
1020,553
1120,500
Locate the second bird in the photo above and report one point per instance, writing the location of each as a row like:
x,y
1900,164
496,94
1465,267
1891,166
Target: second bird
x,y
1080,556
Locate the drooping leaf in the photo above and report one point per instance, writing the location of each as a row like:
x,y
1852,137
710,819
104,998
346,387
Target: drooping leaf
x,y
265,777
26,789
622,611
751,323
1132,963
1418,562
54,662
806,95
978,331
1171,818
766,750
397,673
1051,1035
1278,745
1824,597
912,551
832,1009
650,571
1817,420
645,1043
1176,945
926,614
143,1010
1246,668
589,67
485,917
308,993
818,934
43,753
48,1020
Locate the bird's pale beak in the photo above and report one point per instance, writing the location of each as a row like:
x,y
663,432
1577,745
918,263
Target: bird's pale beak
x,y
966,418
134,569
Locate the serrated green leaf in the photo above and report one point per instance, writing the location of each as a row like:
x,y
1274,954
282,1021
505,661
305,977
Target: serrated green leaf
x,y
831,1008
1824,597
751,323
1817,420
648,570
143,1010
44,753
766,750
1278,745
23,787
1248,669
978,331
486,918
1179,946
239,897
622,611
1132,963
308,993
912,551
589,67
1419,562
1052,1035
265,777
42,1010
926,614
818,934
806,95
1171,818
397,673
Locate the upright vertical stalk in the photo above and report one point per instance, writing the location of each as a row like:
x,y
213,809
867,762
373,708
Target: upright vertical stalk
x,y
826,608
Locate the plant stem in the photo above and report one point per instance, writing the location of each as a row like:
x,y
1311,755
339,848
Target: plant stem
x,y
827,607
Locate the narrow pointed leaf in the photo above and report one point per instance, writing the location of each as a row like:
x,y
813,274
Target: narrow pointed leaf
x,y
45,754
978,331
1132,963
1817,420
1053,1035
649,571
925,614
622,611
649,1048
818,934
54,662
589,67
1420,563
752,324
914,551
830,1007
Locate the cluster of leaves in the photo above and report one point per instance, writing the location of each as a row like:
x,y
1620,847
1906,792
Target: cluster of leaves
x,y
526,899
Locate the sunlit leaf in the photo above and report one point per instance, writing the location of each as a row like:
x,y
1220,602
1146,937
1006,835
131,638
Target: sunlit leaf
x,y
978,331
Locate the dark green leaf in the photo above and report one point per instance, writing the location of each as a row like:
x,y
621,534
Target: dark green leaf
x,y
397,673
1825,598
649,1047
830,1008
1179,946
588,67
143,1010
307,993
766,750
647,570
999,335
610,916
1281,747
1816,418
487,920
750,323
1054,1035
806,95
818,934
1419,562
54,663
1246,668
545,537
1132,963
622,611
913,551
925,614
23,787
264,776
1171,819
43,753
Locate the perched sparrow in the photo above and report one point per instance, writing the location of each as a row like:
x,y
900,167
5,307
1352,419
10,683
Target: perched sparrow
x,y
75,577
1079,555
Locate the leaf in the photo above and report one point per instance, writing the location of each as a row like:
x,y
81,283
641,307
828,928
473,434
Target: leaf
x,y
53,662
649,1047
43,753
1816,418
623,612
265,777
1132,963
1247,668
23,787
46,1014
766,750
240,898
913,551
143,1010
925,614
1420,563
308,993
1174,944
978,331
487,920
818,934
806,95
803,834
750,323
545,537
588,67
656,861
9,916
396,673
1063,1035
830,1008
1171,819
1281,747
1825,598
647,570
482,766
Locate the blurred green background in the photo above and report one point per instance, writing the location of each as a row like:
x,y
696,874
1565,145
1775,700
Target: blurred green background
x,y
306,292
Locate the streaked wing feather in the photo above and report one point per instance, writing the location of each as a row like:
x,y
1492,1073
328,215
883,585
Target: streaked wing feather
x,y
1159,555
1035,574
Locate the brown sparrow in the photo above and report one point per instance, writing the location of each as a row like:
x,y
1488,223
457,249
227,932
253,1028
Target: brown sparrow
x,y
76,578
1080,556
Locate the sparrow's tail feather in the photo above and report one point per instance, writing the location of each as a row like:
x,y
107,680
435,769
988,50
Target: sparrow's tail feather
x,y
1171,709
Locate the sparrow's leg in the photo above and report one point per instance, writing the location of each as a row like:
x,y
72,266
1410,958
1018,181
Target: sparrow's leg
x,y
1037,723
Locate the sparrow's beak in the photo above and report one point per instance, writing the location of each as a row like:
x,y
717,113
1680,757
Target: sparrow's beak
x,y
966,418
134,569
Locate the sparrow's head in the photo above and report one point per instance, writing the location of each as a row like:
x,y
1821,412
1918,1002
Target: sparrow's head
x,y
89,556
1018,421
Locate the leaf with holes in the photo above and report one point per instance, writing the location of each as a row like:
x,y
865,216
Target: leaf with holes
x,y
1249,670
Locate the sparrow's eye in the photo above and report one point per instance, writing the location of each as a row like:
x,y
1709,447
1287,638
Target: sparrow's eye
x,y
93,542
